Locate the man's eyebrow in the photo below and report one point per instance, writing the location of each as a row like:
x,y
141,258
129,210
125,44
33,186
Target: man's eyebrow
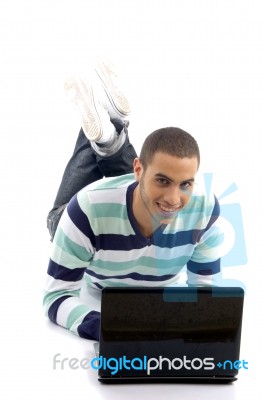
x,y
189,180
160,175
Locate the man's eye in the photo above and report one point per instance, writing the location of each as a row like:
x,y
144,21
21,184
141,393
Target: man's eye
x,y
162,181
185,185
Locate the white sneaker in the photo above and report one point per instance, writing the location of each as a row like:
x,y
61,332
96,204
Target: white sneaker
x,y
95,119
113,99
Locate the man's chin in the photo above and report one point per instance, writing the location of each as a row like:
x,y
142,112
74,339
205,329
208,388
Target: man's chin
x,y
166,221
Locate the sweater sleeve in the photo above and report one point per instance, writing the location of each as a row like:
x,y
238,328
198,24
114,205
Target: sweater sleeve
x,y
204,267
72,251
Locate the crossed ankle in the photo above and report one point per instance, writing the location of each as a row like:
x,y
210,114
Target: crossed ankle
x,y
110,148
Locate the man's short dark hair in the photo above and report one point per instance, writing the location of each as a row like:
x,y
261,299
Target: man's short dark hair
x,y
172,141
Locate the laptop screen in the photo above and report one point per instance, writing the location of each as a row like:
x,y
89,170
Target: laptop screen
x,y
187,313
172,322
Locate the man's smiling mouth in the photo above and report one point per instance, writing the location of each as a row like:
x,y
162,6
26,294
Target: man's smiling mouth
x,y
167,209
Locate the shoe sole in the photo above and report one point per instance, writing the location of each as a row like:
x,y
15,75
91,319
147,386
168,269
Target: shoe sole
x,y
84,100
117,100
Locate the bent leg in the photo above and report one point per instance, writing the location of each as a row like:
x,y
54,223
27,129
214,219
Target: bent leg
x,y
87,166
103,147
81,170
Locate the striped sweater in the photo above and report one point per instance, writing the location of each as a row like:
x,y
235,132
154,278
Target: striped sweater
x,y
98,240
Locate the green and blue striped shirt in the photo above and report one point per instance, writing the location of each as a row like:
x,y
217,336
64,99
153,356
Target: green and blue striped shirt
x,y
98,241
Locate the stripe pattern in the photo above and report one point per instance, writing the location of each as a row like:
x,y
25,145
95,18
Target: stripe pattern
x,y
98,241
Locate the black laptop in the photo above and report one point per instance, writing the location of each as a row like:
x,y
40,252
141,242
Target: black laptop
x,y
174,334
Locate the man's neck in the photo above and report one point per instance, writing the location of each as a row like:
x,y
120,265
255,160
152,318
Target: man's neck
x,y
146,224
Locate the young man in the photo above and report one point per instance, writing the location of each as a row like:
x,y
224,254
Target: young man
x,y
135,229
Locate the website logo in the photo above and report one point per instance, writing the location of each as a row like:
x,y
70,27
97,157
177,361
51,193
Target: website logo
x,y
146,364
232,222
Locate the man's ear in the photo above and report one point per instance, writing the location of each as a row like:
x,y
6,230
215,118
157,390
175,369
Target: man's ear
x,y
137,169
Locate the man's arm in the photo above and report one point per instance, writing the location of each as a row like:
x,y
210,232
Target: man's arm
x,y
71,254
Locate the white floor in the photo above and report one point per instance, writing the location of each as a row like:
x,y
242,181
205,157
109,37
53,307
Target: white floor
x,y
198,65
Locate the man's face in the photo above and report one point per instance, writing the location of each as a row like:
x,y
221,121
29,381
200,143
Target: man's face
x,y
165,186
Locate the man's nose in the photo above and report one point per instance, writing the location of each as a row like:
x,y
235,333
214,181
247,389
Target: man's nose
x,y
173,197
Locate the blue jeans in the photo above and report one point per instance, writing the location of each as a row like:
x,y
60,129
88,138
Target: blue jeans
x,y
86,166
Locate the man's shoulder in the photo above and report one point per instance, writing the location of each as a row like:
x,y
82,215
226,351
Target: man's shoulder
x,y
122,181
107,197
106,191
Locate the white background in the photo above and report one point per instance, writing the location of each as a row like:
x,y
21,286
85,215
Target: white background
x,y
196,64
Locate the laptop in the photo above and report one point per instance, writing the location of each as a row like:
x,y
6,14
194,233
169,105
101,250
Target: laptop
x,y
174,334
